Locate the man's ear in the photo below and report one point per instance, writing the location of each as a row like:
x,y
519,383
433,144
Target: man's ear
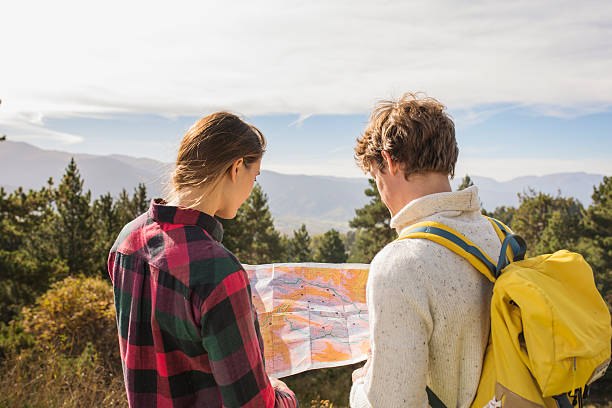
x,y
390,165
234,169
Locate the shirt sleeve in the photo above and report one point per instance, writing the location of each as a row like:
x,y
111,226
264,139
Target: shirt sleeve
x,y
230,337
400,328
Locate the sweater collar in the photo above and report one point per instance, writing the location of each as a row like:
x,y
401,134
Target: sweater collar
x,y
161,212
416,210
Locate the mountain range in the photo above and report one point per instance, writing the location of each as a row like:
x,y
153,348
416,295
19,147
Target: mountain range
x,y
321,202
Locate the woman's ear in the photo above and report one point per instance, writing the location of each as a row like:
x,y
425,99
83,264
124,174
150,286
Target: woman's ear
x,y
234,169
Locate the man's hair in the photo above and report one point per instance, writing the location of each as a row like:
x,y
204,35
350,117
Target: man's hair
x,y
415,131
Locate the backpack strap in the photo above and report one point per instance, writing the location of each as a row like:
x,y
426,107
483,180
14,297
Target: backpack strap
x,y
514,247
456,242
503,231
434,401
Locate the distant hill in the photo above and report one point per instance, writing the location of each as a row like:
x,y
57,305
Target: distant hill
x,y
318,201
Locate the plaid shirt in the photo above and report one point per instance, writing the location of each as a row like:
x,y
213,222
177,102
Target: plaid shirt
x,y
188,331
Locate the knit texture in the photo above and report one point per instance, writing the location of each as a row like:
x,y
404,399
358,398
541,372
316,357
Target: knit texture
x,y
428,310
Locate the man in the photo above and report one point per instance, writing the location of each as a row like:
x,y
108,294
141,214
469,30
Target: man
x,y
428,307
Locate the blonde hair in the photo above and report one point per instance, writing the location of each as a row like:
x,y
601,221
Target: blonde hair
x,y
210,147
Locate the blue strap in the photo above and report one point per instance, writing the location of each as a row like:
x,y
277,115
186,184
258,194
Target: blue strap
x,y
519,254
459,242
516,249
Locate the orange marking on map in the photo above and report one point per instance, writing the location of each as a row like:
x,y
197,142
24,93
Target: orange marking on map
x,y
330,354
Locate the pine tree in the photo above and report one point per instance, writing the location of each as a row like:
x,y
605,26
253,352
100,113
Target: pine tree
x,y
598,232
299,246
597,225
465,183
139,202
28,254
548,223
330,248
107,225
372,222
503,214
128,207
235,236
251,235
74,233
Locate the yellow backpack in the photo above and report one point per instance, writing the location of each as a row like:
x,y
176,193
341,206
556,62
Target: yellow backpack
x,y
550,328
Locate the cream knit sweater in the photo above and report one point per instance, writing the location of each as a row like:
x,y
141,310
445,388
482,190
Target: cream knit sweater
x,y
429,310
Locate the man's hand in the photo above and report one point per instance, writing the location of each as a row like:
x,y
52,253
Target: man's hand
x,y
361,372
278,384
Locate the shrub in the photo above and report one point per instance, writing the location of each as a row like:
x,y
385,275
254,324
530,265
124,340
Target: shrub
x,y
73,313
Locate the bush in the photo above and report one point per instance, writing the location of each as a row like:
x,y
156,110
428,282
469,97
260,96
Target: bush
x,y
73,313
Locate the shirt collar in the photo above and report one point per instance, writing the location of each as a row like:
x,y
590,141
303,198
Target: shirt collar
x,y
426,206
161,212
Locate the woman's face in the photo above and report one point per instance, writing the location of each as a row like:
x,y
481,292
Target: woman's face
x,y
238,188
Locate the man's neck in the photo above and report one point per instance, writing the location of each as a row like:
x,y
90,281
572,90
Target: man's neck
x,y
417,186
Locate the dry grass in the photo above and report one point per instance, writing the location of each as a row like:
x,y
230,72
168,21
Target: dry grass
x,y
40,380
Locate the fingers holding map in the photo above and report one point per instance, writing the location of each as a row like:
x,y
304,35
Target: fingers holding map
x,y
311,315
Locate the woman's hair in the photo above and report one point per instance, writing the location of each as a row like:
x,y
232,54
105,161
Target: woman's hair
x,y
415,131
211,146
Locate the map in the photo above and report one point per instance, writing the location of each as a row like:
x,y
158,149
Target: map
x,y
312,315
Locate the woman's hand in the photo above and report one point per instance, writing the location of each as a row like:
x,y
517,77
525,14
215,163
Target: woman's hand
x,y
278,384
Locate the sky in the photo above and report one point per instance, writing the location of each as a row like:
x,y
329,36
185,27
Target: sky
x,y
528,83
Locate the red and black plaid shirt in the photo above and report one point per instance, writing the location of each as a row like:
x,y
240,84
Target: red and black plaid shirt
x,y
188,331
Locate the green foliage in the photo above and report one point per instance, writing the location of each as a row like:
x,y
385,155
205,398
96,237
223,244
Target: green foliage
x,y
129,208
503,214
299,246
13,339
28,258
598,231
330,248
372,223
23,278
73,234
108,218
597,249
251,235
465,183
25,219
107,225
548,223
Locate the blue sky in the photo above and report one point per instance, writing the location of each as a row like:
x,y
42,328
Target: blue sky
x,y
529,84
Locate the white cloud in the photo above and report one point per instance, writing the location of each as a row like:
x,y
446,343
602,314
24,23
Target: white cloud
x,y
34,131
68,58
300,120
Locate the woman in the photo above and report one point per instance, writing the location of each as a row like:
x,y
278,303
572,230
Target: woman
x,y
188,331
